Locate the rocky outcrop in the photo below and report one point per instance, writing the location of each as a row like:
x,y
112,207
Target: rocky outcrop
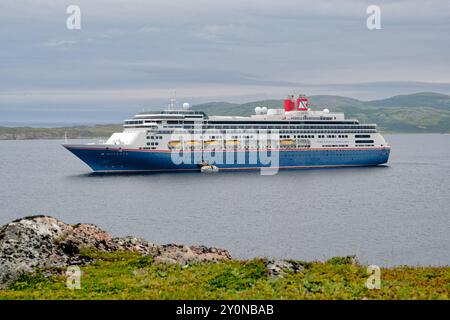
x,y
181,254
43,241
135,244
279,268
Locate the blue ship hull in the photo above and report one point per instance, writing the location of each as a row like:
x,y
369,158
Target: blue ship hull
x,y
102,159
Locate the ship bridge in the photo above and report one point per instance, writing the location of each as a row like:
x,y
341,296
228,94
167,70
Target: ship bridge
x,y
150,118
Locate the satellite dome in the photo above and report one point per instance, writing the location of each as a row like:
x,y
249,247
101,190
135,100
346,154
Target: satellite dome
x,y
186,106
326,111
258,110
264,110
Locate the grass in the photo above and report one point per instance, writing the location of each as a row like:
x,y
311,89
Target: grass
x,y
125,275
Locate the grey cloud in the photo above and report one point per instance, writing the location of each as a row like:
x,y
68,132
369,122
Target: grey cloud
x,y
216,49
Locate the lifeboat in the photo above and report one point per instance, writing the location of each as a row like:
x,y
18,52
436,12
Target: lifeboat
x,y
211,142
192,142
233,142
287,142
174,143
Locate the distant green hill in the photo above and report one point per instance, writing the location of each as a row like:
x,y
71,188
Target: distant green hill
x,y
423,99
78,132
414,113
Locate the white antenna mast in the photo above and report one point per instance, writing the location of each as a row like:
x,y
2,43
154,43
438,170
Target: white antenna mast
x,y
173,102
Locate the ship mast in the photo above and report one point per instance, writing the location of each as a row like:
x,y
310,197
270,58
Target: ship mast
x,y
172,102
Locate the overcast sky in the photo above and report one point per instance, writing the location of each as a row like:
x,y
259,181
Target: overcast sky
x,y
131,54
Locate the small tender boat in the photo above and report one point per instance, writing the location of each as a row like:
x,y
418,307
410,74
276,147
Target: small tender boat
x,y
209,169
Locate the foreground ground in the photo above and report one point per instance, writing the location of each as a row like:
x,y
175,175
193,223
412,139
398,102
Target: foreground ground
x,y
126,275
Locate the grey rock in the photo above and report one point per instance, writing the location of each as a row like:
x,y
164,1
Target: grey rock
x,y
181,254
27,243
279,268
138,245
43,242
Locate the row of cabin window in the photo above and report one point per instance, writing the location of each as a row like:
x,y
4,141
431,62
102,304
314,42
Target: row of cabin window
x,y
237,137
334,145
296,136
281,131
164,132
281,136
274,126
333,136
152,143
359,129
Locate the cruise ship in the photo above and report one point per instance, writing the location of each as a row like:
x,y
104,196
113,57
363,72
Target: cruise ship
x,y
181,139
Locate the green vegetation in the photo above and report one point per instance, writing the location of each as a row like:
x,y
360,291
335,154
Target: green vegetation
x,y
78,132
124,275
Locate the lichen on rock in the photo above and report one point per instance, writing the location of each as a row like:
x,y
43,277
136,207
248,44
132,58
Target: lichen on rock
x,y
43,242
279,268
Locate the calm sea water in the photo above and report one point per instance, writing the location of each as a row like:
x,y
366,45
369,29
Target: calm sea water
x,y
399,214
